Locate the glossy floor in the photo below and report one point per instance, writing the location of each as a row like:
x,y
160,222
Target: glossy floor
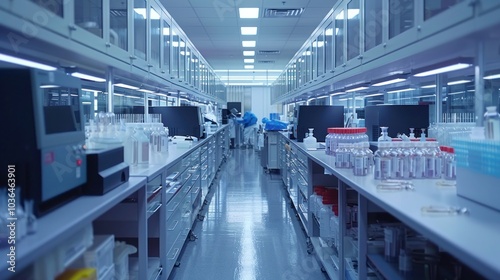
x,y
249,231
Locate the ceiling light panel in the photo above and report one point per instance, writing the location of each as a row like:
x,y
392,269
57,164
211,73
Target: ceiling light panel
x,y
248,44
248,53
249,12
249,66
249,60
248,30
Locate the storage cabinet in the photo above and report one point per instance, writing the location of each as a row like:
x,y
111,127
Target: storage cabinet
x,y
352,223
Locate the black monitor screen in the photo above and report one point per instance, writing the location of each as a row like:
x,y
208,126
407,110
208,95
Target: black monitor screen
x,y
181,120
319,117
59,119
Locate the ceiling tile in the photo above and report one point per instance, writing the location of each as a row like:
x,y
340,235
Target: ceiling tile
x,y
219,21
214,12
273,22
317,13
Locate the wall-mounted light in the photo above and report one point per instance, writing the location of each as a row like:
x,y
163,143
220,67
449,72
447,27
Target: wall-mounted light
x,y
401,90
443,67
492,77
358,87
459,82
25,62
125,86
87,77
146,90
389,80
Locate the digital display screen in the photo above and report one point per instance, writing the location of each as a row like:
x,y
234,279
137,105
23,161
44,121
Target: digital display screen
x,y
61,110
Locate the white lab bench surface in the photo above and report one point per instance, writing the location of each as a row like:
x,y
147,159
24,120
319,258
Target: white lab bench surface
x,y
471,238
62,223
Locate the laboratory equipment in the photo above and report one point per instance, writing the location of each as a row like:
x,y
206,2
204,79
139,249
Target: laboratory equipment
x,y
319,117
310,141
106,170
384,135
492,123
398,117
181,120
42,115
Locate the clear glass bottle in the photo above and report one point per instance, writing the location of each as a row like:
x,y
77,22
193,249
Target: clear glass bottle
x,y
142,146
396,160
328,140
492,123
154,140
163,140
451,165
130,147
406,160
369,156
384,137
310,141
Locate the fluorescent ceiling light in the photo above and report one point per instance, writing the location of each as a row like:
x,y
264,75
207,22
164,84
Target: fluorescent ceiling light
x,y
154,14
388,82
49,86
146,90
248,53
443,67
86,102
249,66
459,82
131,96
249,31
249,60
401,90
126,86
177,44
185,53
357,89
166,31
248,44
458,92
429,86
329,32
88,77
372,95
492,77
306,53
119,94
25,62
351,13
249,12
337,93
91,90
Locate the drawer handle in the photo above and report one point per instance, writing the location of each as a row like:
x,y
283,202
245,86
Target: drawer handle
x,y
156,209
174,226
195,177
174,254
174,207
196,190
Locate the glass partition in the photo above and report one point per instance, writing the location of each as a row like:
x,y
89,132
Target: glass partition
x,y
88,15
118,22
155,36
195,68
307,65
314,59
353,29
140,15
175,55
166,46
298,73
55,6
188,65
433,7
182,60
401,16
373,23
339,39
320,54
329,47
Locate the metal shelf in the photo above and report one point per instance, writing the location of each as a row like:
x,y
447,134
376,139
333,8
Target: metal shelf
x,y
323,255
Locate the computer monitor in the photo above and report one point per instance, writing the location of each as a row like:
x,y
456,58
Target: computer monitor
x,y
319,117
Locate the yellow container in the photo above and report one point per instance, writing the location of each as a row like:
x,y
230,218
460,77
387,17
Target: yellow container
x,y
78,274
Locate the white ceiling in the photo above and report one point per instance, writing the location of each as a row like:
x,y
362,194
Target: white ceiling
x,y
214,28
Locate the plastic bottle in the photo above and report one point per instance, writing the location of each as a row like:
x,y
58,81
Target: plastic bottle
x,y
406,160
433,162
492,123
310,142
328,140
369,156
451,165
396,160
360,160
412,134
154,140
163,139
382,161
419,160
422,135
142,146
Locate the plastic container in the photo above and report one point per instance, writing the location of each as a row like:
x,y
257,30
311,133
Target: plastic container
x,y
492,124
99,256
78,274
121,254
382,169
310,141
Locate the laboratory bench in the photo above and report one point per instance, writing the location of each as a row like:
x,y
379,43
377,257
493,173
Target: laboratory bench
x,y
154,211
470,238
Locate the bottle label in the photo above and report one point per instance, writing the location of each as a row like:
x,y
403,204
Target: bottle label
x,y
385,168
145,152
377,168
359,166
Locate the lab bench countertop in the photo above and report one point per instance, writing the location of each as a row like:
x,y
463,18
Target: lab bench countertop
x,y
469,237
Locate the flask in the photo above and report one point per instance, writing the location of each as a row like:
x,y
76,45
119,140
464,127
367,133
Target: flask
x,y
492,123
384,135
310,142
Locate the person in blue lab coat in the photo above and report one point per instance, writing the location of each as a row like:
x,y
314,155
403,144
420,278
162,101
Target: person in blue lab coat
x,y
249,122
